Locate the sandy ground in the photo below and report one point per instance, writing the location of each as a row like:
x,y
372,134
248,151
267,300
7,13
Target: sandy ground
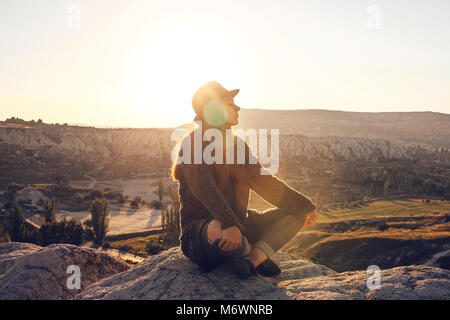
x,y
123,218
145,187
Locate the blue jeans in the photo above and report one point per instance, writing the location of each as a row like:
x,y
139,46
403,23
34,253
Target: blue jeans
x,y
268,231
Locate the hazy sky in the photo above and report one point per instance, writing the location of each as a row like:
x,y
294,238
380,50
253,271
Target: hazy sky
x,y
137,63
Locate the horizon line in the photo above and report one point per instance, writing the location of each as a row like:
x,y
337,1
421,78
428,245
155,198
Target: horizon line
x,y
242,108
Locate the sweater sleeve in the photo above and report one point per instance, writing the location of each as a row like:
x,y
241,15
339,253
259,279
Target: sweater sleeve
x,y
201,182
277,192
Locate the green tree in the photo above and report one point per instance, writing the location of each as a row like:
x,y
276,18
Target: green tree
x,y
175,195
170,221
100,219
48,233
160,190
371,189
18,231
50,210
4,236
65,231
386,192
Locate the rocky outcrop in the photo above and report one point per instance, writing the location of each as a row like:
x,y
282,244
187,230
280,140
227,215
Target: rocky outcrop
x,y
32,272
401,283
170,275
92,145
10,252
40,273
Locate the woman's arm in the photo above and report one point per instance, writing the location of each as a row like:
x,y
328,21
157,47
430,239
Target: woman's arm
x,y
277,192
202,184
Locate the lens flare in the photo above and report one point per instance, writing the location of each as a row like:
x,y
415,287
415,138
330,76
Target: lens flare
x,y
215,113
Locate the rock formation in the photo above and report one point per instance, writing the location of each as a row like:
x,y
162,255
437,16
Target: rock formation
x,y
10,252
32,272
40,273
172,276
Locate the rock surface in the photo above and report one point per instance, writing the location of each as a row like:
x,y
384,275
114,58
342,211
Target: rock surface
x,y
33,272
9,252
401,283
170,275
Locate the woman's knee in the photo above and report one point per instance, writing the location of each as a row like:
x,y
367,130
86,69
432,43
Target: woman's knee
x,y
214,230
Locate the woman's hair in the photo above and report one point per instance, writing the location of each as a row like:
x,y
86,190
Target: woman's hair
x,y
174,172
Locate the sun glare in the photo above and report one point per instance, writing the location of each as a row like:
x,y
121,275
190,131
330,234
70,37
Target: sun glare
x,y
173,65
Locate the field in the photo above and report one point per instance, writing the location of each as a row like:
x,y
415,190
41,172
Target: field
x,y
384,233
143,246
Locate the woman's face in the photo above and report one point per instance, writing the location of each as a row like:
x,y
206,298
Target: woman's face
x,y
221,112
231,111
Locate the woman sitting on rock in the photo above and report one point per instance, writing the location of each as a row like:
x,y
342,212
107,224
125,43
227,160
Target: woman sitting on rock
x,y
217,226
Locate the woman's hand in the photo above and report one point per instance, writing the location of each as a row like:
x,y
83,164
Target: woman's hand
x,y
311,218
231,239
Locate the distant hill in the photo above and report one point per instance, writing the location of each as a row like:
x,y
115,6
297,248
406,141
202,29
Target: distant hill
x,y
321,140
402,127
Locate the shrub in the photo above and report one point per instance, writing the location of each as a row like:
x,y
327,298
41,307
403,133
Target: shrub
x,y
65,231
89,234
136,201
111,195
100,219
160,189
125,247
156,204
383,226
48,233
4,236
95,194
121,198
50,210
169,239
170,221
164,241
154,246
17,232
153,249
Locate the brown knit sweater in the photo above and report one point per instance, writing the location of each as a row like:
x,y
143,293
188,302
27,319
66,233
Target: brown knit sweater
x,y
222,191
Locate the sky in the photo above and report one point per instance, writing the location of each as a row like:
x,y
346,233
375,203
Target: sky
x,y
137,63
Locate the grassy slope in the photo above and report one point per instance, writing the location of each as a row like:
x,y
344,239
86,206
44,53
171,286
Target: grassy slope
x,y
351,238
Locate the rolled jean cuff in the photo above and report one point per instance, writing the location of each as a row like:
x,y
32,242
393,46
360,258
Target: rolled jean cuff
x,y
265,247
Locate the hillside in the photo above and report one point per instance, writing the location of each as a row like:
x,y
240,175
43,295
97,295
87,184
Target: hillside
x,y
400,127
385,233
41,153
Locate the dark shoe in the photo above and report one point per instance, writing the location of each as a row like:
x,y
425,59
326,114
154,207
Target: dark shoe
x,y
242,267
268,268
